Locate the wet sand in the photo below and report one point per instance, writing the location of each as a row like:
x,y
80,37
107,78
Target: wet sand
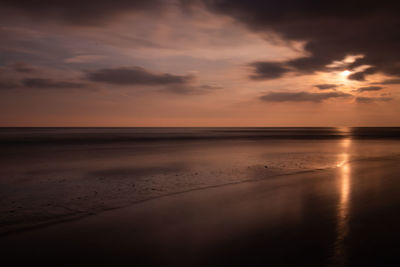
x,y
346,216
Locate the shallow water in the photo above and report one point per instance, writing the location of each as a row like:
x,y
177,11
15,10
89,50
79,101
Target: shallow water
x,y
346,216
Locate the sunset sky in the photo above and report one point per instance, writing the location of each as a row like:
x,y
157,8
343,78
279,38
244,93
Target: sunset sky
x,y
199,63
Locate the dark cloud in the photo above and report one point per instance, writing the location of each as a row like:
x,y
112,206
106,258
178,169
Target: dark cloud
x,y
210,87
301,96
369,88
8,85
191,89
360,76
389,81
326,86
49,84
22,67
136,76
363,99
331,30
88,12
268,70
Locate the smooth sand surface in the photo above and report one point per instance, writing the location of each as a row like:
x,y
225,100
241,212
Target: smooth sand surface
x,y
343,216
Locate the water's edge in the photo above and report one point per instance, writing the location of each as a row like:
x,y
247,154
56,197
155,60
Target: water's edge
x,y
83,214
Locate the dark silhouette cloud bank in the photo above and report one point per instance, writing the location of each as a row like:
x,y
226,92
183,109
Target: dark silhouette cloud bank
x,y
301,96
369,88
49,84
364,99
331,29
326,86
135,76
92,13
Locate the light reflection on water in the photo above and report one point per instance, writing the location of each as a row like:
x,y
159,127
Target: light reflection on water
x,y
343,206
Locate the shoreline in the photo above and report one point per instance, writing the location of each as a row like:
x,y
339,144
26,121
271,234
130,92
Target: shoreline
x,y
201,222
84,214
87,214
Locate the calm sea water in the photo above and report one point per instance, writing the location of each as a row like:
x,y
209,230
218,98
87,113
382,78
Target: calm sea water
x,y
107,135
52,174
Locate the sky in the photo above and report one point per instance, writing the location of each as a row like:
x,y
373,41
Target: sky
x,y
199,63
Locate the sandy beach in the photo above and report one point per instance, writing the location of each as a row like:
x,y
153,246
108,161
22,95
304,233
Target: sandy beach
x,y
344,216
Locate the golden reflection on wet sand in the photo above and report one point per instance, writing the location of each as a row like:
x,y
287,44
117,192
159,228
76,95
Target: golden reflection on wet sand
x,y
344,202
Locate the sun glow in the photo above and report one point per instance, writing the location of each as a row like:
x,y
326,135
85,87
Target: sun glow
x,y
345,73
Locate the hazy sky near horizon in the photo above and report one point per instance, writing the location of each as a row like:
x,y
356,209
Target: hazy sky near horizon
x,y
199,63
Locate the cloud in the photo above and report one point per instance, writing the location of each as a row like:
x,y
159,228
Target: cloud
x,y
389,81
84,58
369,88
357,76
191,89
326,86
49,84
331,30
301,96
363,99
22,67
4,85
89,12
210,87
360,76
268,70
136,76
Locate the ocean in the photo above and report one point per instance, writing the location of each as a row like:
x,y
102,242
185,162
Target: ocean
x,y
49,175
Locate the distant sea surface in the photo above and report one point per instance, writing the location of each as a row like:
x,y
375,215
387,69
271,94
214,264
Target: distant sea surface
x,y
52,174
103,135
